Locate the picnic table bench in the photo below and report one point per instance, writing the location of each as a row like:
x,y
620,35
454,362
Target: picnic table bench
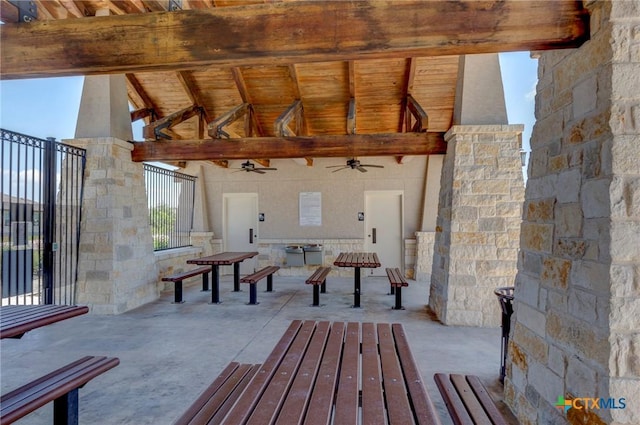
x,y
322,373
177,279
467,400
60,386
15,320
319,281
253,278
397,281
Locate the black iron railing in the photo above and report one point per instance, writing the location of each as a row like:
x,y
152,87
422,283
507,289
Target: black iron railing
x,y
41,185
170,196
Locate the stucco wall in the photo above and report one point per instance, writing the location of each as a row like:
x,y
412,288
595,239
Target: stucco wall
x,y
342,195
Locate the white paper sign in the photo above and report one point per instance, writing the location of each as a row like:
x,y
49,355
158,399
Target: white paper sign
x,y
310,209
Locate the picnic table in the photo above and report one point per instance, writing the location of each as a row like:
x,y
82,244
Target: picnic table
x,y
322,373
357,260
15,320
223,259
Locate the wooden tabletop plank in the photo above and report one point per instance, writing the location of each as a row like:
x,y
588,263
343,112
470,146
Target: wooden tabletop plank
x,y
18,319
322,398
223,259
297,400
372,399
420,400
251,395
267,408
395,391
346,411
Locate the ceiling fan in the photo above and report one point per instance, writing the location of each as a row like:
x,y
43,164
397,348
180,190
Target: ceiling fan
x,y
354,164
250,166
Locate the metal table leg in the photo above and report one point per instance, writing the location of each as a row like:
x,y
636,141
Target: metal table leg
x,y
356,288
215,285
236,277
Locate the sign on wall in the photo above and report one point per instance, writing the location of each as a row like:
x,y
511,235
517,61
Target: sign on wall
x,y
310,209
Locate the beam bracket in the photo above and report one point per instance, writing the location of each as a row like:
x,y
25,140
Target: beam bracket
x,y
27,10
175,5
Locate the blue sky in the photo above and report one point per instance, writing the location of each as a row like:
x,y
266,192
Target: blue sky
x,y
49,107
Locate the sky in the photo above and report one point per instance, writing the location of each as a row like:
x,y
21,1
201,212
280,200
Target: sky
x,y
49,107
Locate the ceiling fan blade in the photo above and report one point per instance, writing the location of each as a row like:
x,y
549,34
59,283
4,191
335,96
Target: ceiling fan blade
x,y
372,165
257,170
338,169
268,169
335,166
362,170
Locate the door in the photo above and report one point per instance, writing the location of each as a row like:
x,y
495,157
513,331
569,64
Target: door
x,y
241,228
383,212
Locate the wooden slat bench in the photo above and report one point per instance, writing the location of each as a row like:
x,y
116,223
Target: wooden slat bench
x,y
319,374
60,386
467,400
15,320
177,279
254,278
214,402
319,281
397,281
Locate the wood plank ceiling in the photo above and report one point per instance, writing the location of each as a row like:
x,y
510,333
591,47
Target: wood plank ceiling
x,y
360,94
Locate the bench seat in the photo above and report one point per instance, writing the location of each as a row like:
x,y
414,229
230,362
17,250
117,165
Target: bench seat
x,y
319,281
467,400
177,279
214,402
60,386
397,282
254,278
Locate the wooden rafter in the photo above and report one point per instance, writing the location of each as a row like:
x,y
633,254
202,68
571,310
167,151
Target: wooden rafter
x,y
188,39
351,117
158,129
246,97
217,127
141,113
419,114
293,147
281,126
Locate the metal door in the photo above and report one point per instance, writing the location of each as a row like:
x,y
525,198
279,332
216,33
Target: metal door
x,y
241,227
383,214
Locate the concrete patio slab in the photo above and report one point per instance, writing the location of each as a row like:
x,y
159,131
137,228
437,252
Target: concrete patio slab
x,y
170,352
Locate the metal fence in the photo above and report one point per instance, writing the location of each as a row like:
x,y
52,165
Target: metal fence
x,y
41,185
170,198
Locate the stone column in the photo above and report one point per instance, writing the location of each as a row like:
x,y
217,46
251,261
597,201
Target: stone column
x,y
576,327
478,223
116,265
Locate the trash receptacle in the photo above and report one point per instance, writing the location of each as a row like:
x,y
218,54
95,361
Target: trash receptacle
x,y
505,297
313,254
295,256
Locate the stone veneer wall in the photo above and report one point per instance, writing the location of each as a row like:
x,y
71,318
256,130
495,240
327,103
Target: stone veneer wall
x,y
424,255
576,327
116,266
479,214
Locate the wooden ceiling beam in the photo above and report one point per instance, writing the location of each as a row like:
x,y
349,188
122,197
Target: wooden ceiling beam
x,y
282,129
285,33
357,145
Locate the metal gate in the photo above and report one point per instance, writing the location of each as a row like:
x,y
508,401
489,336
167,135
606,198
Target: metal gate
x,y
41,185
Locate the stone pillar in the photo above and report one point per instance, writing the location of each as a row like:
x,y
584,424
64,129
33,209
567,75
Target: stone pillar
x,y
478,223
116,267
576,326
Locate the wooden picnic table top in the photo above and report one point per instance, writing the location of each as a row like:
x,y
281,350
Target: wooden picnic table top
x,y
223,259
351,372
357,259
15,320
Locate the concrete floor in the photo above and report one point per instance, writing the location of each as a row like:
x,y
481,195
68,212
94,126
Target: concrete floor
x,y
170,352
